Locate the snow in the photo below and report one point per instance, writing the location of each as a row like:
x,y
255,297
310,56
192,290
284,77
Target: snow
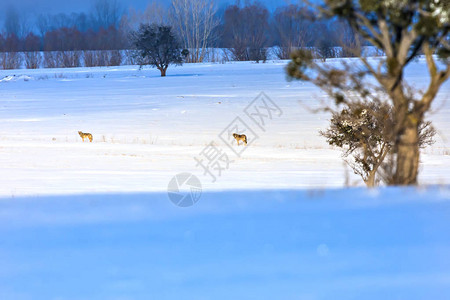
x,y
316,244
94,221
15,78
147,129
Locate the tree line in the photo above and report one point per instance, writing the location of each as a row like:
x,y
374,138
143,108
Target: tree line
x,y
245,32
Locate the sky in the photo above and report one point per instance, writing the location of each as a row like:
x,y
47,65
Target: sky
x,y
58,6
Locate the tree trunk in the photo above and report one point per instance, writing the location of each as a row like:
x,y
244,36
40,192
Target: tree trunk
x,y
370,181
163,71
408,153
406,131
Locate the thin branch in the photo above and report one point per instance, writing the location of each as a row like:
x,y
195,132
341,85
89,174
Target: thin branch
x,y
382,24
408,38
370,27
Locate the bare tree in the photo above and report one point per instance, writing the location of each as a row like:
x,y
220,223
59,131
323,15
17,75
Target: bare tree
x,y
52,59
10,57
10,60
63,48
94,58
401,29
33,58
81,21
324,41
106,13
154,13
349,40
15,23
234,34
62,20
257,25
246,31
11,22
291,26
43,24
194,20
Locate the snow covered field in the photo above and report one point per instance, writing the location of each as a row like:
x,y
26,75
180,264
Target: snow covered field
x,y
147,129
93,220
330,244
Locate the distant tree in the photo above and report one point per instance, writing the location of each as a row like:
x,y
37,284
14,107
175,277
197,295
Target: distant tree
x,y
12,43
154,13
10,58
91,41
32,55
291,29
234,36
324,41
46,22
194,20
15,23
32,42
349,41
401,29
106,13
246,31
81,21
63,20
43,24
157,46
67,42
256,17
108,39
63,39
